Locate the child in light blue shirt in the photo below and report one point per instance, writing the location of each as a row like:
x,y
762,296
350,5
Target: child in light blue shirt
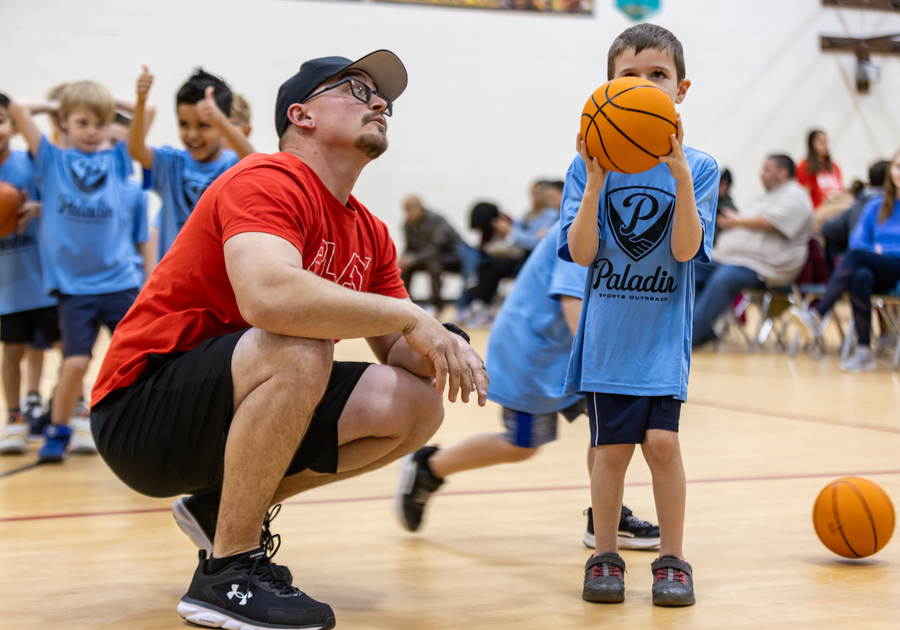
x,y
180,176
639,235
91,217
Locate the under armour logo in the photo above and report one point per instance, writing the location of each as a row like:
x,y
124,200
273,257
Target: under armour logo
x,y
235,593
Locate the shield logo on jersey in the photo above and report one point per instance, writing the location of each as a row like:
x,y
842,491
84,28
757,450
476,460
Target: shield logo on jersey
x,y
639,218
193,188
89,176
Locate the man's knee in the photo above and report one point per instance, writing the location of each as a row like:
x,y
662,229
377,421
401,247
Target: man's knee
x,y
425,411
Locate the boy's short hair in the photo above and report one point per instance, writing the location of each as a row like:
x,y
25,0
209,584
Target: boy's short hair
x,y
240,110
194,90
644,36
90,96
785,162
4,101
54,93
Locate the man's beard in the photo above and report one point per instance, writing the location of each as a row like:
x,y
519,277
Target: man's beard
x,y
372,145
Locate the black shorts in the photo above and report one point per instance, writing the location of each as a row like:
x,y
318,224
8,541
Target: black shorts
x,y
164,434
623,419
21,327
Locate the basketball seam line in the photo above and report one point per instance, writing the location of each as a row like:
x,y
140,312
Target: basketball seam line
x,y
837,518
599,135
622,133
611,101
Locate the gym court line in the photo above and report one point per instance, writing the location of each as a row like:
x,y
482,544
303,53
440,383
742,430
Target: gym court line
x,y
637,484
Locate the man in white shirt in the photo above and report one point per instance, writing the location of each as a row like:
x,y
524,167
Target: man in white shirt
x,y
766,245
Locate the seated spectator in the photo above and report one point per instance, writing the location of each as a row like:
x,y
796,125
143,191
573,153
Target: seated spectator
x,y
431,245
507,254
470,258
872,266
767,244
817,173
837,231
724,200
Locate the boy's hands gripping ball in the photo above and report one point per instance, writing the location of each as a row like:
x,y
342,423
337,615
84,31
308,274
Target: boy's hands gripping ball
x,y
10,203
627,125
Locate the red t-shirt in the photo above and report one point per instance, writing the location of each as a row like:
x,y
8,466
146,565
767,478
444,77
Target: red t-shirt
x,y
821,184
188,298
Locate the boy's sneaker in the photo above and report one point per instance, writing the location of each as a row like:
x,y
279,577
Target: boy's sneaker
x,y
32,406
250,594
417,484
860,361
196,516
673,582
604,579
82,440
634,533
12,441
56,441
806,321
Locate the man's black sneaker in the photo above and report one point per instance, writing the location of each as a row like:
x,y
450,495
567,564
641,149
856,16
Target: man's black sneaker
x,y
250,594
417,484
604,579
196,515
673,582
633,532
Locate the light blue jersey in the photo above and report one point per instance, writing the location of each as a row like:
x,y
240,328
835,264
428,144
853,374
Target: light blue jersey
x,y
21,277
180,180
88,220
529,345
634,336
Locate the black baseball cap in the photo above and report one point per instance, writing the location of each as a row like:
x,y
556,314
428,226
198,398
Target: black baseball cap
x,y
385,68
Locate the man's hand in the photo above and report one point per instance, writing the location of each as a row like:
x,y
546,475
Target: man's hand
x,y
448,357
143,84
676,160
728,219
596,174
208,111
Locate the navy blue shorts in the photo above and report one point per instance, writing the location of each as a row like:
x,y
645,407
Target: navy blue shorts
x,y
23,327
622,419
80,317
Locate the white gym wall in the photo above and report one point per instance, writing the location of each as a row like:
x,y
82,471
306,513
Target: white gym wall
x,y
494,98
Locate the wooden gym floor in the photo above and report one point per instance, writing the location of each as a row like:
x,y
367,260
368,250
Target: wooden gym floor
x,y
501,547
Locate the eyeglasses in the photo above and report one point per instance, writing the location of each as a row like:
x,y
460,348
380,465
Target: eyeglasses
x,y
360,91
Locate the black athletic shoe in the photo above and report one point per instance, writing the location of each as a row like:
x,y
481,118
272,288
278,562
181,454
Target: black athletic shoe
x,y
250,594
417,484
604,579
673,582
633,532
196,516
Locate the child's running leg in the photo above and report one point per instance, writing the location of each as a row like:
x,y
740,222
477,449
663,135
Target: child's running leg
x,y
12,439
478,451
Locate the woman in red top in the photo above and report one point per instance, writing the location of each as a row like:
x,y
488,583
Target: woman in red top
x,y
817,173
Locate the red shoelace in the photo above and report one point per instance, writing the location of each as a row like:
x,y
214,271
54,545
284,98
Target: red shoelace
x,y
671,574
610,570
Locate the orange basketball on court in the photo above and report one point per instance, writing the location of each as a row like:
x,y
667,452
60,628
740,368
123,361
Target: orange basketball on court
x,y
626,125
853,517
9,209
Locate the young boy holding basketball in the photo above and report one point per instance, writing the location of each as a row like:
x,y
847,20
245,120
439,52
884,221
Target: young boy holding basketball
x,y
203,106
631,354
91,220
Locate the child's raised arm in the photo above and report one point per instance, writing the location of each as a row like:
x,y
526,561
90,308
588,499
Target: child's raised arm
x,y
584,236
21,115
140,122
209,113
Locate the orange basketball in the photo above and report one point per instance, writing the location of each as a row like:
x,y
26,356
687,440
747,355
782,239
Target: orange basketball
x,y
9,209
626,125
853,517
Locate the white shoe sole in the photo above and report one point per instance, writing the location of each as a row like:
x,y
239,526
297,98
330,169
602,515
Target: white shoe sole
x,y
13,442
202,616
191,528
407,479
82,441
624,542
